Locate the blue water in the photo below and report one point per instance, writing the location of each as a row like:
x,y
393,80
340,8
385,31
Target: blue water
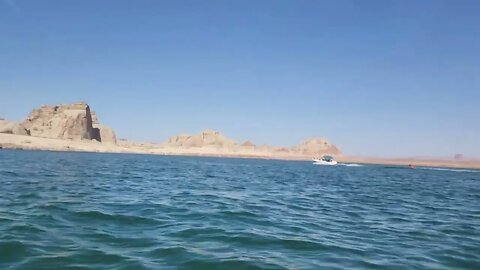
x,y
106,211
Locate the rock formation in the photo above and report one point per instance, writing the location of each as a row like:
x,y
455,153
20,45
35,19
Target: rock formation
x,y
12,128
102,132
72,121
207,138
281,150
177,140
94,117
248,145
317,146
3,123
78,122
68,121
265,148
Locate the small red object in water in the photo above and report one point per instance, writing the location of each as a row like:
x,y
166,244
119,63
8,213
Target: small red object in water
x,y
411,166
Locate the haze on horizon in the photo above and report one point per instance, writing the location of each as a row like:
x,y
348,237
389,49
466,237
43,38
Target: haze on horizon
x,y
377,78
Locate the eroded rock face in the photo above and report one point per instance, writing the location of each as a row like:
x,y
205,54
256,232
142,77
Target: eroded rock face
x,y
207,138
12,128
214,138
72,121
316,146
94,117
3,123
177,140
101,132
67,121
282,150
18,129
265,148
248,144
104,134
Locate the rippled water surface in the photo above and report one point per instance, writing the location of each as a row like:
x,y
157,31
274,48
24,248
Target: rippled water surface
x,y
105,211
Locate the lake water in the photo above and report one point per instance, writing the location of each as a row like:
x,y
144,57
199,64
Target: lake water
x,y
111,211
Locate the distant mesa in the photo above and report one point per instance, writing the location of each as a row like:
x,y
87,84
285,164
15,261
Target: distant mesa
x,y
316,146
458,157
65,121
214,139
248,145
265,148
284,150
207,138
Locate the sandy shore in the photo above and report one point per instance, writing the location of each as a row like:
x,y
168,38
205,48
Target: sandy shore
x,y
9,141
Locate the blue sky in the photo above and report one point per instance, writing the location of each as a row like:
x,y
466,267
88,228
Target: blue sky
x,y
378,78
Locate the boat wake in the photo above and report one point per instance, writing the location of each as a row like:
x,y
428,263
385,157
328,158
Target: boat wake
x,y
350,165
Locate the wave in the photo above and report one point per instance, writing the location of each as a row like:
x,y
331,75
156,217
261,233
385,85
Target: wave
x,y
95,215
251,215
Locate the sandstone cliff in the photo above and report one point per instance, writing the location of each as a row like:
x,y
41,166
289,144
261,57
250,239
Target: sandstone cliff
x,y
77,122
316,146
207,138
104,133
248,145
67,121
12,128
72,121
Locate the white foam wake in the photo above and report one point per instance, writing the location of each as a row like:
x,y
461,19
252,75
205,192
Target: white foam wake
x,y
351,164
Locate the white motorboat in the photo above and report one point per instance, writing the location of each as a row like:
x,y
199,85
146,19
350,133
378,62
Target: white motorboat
x,y
325,160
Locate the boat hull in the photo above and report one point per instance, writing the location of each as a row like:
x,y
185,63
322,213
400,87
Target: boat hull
x,y
322,162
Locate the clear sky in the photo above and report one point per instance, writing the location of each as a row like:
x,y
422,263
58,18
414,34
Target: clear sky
x,y
378,78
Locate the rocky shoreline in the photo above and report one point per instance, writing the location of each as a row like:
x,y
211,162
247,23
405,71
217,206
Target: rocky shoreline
x,y
74,127
18,142
76,124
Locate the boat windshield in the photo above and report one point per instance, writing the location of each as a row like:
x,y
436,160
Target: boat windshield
x,y
327,158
